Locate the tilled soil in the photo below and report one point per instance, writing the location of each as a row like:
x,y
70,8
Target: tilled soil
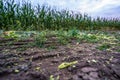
x,y
20,61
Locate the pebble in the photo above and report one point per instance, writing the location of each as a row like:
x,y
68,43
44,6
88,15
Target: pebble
x,y
75,77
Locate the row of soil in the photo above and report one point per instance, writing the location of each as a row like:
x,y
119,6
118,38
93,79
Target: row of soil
x,y
35,63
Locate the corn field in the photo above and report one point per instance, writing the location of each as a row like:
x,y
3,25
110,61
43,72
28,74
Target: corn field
x,y
25,16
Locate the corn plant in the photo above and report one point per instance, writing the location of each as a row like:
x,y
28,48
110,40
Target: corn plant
x,y
25,16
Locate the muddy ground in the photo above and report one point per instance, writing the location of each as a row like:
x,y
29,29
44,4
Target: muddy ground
x,y
21,61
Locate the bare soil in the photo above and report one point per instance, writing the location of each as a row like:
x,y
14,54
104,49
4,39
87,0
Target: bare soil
x,y
21,61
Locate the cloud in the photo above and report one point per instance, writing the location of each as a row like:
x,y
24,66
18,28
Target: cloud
x,y
92,7
111,12
107,8
57,3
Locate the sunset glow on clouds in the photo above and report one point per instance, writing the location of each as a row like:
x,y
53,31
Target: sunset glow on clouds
x,y
107,8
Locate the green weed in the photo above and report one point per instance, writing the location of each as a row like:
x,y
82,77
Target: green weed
x,y
104,47
40,39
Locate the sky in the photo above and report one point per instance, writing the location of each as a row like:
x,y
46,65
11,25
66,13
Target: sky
x,y
103,8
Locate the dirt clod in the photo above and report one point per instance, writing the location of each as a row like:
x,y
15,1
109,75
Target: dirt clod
x,y
88,69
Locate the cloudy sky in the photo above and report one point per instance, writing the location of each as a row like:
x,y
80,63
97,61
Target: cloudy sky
x,y
107,8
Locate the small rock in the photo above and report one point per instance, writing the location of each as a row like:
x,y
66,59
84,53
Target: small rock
x,y
75,77
80,74
94,74
86,77
88,69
